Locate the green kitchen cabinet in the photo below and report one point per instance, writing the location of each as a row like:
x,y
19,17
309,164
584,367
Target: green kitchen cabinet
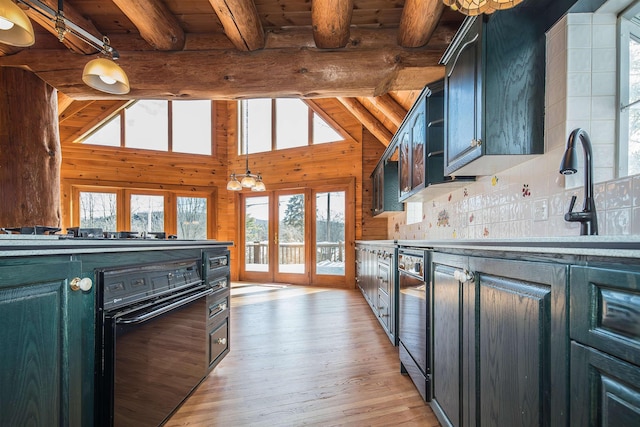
x,y
499,341
41,344
494,92
605,347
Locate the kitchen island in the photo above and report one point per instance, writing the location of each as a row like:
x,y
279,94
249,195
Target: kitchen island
x,y
533,331
52,299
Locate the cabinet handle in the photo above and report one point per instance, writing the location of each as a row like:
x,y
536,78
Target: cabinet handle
x,y
84,284
464,276
222,341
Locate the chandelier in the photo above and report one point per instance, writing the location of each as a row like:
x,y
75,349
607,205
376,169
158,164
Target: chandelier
x,y
247,179
476,7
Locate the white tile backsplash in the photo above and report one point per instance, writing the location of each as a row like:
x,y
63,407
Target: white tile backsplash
x,y
580,92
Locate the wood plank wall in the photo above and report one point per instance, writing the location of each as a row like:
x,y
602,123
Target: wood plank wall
x,y
91,165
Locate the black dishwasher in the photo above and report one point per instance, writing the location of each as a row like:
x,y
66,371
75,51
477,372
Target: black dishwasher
x,y
414,318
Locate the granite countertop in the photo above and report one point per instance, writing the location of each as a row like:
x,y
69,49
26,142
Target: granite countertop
x,y
27,245
616,246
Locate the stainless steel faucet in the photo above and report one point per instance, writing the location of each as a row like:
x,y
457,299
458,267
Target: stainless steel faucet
x,y
588,218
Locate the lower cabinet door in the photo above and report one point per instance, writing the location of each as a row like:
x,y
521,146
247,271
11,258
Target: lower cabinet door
x,y
605,391
41,346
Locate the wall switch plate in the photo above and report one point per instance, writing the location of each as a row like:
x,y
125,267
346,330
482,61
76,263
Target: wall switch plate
x,y
541,210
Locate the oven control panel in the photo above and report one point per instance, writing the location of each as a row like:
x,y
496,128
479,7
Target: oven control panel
x,y
124,286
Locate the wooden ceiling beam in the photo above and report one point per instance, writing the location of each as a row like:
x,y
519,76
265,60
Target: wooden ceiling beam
x,y
155,22
64,102
368,120
418,22
70,41
231,74
72,109
330,21
241,23
390,108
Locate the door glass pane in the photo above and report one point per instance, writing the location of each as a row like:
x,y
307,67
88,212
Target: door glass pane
x,y
256,232
291,234
98,210
192,218
330,216
191,126
147,213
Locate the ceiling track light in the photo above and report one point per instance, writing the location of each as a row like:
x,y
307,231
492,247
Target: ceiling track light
x,y
102,73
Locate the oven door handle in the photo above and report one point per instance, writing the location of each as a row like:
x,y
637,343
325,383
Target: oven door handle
x,y
154,313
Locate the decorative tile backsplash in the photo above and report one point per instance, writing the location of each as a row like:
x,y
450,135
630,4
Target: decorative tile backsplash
x,y
530,200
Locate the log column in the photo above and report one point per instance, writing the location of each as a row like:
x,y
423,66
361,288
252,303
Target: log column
x,y
30,153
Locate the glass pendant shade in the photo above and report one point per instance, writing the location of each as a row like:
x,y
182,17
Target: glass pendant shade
x,y
248,181
15,26
234,184
259,185
476,7
106,76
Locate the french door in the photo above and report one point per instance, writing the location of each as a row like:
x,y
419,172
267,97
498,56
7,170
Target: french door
x,y
294,236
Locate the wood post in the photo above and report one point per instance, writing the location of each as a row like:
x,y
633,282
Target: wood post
x,y
30,153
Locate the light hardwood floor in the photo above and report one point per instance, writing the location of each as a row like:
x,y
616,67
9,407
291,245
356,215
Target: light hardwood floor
x,y
305,356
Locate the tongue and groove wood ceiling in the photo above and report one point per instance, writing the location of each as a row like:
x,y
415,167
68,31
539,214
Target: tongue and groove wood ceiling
x,y
366,53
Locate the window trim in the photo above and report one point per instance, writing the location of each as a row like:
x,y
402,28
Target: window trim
x,y
123,137
311,110
123,207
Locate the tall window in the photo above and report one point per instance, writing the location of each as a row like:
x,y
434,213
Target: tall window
x,y
173,126
276,124
629,54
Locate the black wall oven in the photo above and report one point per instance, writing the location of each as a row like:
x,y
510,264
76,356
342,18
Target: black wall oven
x,y
414,318
152,348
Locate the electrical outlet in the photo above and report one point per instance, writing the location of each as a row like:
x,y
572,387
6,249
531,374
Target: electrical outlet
x,y
541,210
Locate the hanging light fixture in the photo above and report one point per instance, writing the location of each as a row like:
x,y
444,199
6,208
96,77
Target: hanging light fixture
x,y
102,74
248,179
15,26
476,7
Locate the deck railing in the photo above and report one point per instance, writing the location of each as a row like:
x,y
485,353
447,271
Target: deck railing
x,y
293,253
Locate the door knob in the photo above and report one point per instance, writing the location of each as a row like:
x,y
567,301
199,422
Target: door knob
x,y
84,284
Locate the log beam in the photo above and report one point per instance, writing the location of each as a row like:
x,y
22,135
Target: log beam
x,y
241,23
418,21
390,108
330,21
372,124
30,155
70,41
64,102
302,73
157,25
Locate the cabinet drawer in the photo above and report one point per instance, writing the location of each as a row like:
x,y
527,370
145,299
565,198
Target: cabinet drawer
x,y
218,342
217,307
605,310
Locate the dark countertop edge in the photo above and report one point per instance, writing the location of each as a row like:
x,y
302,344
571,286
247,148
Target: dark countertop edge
x,y
11,248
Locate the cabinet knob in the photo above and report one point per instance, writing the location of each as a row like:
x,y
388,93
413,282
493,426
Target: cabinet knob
x,y
476,142
464,276
84,284
222,341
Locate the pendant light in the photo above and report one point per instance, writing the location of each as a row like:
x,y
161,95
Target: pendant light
x,y
15,26
476,7
101,73
247,179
